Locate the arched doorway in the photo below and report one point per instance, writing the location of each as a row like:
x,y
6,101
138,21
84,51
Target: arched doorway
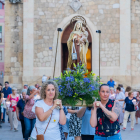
x,y
64,49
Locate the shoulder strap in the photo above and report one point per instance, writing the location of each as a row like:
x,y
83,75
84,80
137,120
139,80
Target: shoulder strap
x,y
46,127
48,124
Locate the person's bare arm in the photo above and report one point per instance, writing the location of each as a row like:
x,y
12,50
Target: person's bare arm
x,y
81,112
121,100
114,114
17,113
72,111
93,119
123,104
41,115
33,94
62,119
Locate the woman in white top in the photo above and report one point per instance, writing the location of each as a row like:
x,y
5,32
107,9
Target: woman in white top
x,y
112,95
43,110
120,97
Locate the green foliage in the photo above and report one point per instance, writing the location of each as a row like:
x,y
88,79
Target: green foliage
x,y
74,86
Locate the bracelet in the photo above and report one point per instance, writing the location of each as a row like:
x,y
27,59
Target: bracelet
x,y
123,108
60,108
51,109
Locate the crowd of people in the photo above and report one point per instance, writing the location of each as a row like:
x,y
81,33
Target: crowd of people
x,y
42,115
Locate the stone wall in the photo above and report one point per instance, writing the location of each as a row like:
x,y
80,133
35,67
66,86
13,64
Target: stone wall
x,y
104,14
13,43
135,41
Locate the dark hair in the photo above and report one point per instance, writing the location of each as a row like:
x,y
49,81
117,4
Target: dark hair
x,y
118,88
102,86
119,85
128,88
139,92
6,82
26,85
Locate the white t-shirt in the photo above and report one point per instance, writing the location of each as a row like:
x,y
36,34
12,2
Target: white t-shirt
x,y
52,132
120,96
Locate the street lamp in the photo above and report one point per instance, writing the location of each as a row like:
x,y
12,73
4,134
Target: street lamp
x,y
99,32
59,30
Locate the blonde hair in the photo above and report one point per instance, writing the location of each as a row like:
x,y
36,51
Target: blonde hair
x,y
112,88
129,93
14,89
44,86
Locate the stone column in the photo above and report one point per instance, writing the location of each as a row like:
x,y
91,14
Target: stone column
x,y
125,39
28,38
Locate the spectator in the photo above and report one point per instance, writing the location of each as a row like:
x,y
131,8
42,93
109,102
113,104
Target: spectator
x,y
104,116
29,116
19,111
7,90
44,78
37,86
112,95
74,123
111,83
13,98
87,132
138,111
66,126
21,93
130,102
25,86
128,88
122,88
0,111
120,97
1,103
44,109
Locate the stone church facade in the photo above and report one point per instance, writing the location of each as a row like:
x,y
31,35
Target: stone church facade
x,y
31,38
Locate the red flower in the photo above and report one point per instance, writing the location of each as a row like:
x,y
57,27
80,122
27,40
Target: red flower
x,y
96,133
118,131
14,109
100,121
100,133
111,121
110,105
103,133
117,120
96,128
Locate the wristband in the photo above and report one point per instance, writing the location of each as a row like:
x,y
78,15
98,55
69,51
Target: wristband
x,y
60,108
123,108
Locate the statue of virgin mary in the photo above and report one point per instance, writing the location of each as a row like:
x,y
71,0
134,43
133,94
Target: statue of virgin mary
x,y
75,39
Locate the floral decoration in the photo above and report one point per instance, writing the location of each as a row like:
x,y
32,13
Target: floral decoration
x,y
78,85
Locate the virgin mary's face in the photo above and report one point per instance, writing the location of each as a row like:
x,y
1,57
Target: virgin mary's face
x,y
78,25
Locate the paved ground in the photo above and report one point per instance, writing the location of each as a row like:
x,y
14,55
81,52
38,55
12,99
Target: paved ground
x,y
6,134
